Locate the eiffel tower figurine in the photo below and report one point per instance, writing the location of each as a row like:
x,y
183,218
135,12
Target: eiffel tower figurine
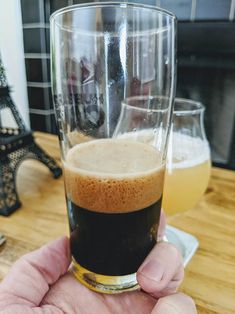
x,y
16,144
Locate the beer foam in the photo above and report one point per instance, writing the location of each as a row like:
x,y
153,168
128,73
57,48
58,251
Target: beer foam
x,y
76,137
187,151
113,175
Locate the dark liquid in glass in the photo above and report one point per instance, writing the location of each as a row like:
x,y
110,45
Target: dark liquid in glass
x,y
113,190
112,244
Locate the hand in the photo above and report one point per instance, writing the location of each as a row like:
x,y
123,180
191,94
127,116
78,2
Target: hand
x,y
39,283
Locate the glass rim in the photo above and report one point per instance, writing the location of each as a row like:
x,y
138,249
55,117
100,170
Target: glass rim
x,y
125,102
194,107
104,4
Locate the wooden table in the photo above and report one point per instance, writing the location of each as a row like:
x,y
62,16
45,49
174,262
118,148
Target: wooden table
x,y
209,277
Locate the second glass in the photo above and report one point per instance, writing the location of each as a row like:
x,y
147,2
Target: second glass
x,y
109,60
188,159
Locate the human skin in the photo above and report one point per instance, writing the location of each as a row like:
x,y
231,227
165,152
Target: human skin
x,y
40,283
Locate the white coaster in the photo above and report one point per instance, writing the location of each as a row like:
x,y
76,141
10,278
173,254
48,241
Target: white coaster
x,y
186,243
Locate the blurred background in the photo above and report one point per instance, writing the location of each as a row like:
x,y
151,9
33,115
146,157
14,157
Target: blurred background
x,y
206,63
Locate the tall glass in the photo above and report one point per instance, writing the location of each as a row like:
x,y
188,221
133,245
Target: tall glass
x,y
188,159
108,58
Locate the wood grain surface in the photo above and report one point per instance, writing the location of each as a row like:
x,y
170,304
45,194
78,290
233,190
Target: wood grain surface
x,y
210,275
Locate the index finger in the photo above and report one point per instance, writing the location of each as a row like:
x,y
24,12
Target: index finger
x,y
177,303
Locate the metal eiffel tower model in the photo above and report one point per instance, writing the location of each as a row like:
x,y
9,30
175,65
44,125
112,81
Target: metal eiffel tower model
x,y
16,144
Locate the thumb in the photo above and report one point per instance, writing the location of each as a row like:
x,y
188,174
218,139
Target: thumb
x,y
162,271
177,303
30,277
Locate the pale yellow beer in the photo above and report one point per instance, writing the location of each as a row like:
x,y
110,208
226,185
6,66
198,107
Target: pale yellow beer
x,y
187,174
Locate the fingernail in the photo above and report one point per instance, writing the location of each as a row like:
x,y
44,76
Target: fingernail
x,y
152,270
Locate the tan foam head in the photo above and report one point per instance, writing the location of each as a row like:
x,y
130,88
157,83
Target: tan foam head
x,y
113,175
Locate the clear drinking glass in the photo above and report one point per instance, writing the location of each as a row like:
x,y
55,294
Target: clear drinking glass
x,y
187,170
188,158
107,58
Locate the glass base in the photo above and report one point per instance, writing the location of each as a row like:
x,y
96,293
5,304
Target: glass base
x,y
102,283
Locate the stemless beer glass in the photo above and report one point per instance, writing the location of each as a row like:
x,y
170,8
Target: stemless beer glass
x,y
105,59
188,159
